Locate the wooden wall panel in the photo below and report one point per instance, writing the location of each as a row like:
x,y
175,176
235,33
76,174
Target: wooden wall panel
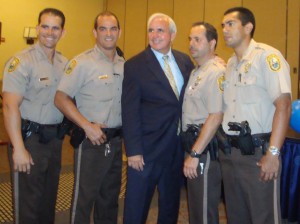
x,y
184,20
270,16
213,14
118,7
165,6
135,27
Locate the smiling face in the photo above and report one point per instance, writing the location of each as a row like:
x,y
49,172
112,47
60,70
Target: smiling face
x,y
107,33
159,35
49,31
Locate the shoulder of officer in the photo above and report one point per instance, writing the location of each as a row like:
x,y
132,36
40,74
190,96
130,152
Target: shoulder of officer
x,y
79,60
218,65
85,55
17,59
265,48
271,55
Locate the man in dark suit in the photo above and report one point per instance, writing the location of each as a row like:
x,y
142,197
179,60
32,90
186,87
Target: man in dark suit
x,y
151,110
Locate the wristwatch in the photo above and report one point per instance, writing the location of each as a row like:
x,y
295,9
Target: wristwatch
x,y
274,150
194,154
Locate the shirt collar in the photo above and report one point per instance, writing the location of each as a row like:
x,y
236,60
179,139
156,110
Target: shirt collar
x,y
103,56
160,55
246,54
43,55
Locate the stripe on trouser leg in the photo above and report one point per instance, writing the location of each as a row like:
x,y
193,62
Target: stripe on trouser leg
x,y
205,186
275,199
76,184
16,196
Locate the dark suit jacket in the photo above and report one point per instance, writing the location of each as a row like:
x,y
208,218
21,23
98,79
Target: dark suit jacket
x,y
150,109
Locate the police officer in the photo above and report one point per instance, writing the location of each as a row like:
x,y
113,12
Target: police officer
x,y
30,81
257,95
201,117
94,78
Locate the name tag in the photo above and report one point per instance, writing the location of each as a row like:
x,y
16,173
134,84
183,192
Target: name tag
x,y
103,77
43,79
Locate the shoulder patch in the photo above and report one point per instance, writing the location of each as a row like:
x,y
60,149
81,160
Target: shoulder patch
x,y
70,67
13,64
221,81
274,62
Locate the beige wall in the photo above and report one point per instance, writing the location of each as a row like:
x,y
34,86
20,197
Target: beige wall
x,y
16,14
275,26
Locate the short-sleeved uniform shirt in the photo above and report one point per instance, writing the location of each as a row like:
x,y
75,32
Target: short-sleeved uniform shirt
x,y
96,84
31,75
252,85
203,94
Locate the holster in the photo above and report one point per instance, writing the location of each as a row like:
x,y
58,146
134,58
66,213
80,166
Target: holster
x,y
223,142
64,128
189,137
248,143
77,136
244,143
25,129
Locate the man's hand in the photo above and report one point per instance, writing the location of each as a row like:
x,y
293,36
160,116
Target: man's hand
x,y
269,165
22,160
94,133
136,162
190,167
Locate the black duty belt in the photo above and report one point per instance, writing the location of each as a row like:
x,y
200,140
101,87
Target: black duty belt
x,y
78,135
189,137
36,127
112,132
46,132
257,139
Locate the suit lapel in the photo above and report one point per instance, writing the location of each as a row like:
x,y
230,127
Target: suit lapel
x,y
156,70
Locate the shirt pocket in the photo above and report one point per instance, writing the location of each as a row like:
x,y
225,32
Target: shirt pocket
x,y
248,91
44,89
104,88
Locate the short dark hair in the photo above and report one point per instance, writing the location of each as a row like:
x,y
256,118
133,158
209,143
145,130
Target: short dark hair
x,y
55,12
105,13
211,32
245,16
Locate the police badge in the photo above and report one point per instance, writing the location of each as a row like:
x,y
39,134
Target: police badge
x,y
13,65
221,82
247,67
198,79
70,67
274,62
